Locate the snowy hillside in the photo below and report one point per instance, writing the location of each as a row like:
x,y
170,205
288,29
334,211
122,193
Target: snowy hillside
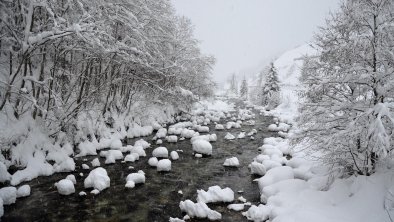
x,y
289,66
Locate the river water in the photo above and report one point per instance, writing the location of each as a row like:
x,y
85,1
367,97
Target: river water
x,y
158,199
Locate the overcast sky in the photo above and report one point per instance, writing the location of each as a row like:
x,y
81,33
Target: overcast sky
x,y
244,34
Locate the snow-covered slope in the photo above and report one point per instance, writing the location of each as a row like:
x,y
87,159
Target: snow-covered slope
x,y
289,66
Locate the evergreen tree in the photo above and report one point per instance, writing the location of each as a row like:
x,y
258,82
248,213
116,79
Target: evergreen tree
x,y
244,89
234,84
270,90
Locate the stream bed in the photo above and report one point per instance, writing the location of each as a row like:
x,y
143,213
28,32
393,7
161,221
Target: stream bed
x,y
158,199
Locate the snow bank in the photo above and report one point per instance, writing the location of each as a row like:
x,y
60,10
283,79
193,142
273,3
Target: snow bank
x,y
257,168
275,175
215,194
202,146
199,210
98,179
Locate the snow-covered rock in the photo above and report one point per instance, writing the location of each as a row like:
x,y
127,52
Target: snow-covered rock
x,y
23,191
233,161
258,213
186,133
65,187
202,146
143,143
198,155
241,135
161,133
257,168
98,179
72,178
199,210
4,175
160,152
172,139
85,166
229,136
153,161
8,195
236,207
219,127
215,194
111,156
174,155
203,129
132,157
116,144
164,165
95,162
86,148
139,150
135,178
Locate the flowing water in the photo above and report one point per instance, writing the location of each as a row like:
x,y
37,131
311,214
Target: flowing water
x,y
158,199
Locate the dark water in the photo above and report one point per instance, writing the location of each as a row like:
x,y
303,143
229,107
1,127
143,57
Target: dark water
x,y
158,198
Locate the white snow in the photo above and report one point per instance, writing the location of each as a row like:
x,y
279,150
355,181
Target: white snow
x,y
219,127
111,156
135,178
85,166
95,162
161,133
72,178
82,193
172,139
98,179
198,155
65,187
164,165
23,191
4,175
241,135
132,157
160,152
86,148
153,161
202,146
8,195
215,194
233,161
143,143
229,136
199,210
236,207
174,155
139,150
275,175
257,168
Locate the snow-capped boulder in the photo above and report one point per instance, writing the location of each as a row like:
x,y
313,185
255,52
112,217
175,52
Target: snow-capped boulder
x,y
202,146
98,179
160,152
8,195
164,165
65,187
233,162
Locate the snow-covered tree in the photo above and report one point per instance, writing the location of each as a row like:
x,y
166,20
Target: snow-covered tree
x,y
271,91
347,114
244,89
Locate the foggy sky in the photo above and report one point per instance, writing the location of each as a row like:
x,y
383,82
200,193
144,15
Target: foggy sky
x,y
244,34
